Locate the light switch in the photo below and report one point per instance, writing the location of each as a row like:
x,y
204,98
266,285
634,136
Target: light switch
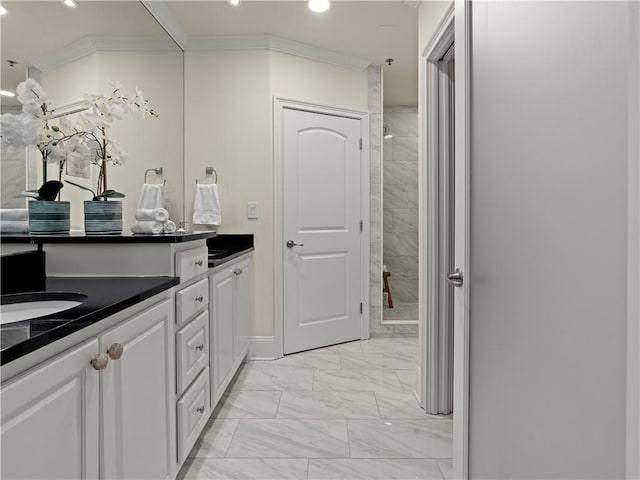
x,y
252,210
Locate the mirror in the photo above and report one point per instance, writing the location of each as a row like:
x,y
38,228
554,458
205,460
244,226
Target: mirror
x,y
76,51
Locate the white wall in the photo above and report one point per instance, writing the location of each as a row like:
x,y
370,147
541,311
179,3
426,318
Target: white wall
x,y
150,143
228,125
548,240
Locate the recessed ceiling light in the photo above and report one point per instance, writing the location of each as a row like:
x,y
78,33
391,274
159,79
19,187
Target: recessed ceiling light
x,y
235,3
71,3
6,93
3,11
319,5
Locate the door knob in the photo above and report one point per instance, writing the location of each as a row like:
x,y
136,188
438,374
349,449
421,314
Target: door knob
x,y
291,244
455,278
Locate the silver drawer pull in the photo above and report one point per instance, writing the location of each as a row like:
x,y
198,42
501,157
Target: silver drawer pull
x,y
237,271
199,263
200,347
200,409
200,299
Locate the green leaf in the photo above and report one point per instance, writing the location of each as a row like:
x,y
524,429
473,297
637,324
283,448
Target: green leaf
x,y
55,128
31,193
111,194
83,188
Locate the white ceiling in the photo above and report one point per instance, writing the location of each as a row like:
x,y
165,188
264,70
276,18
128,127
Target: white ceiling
x,y
374,30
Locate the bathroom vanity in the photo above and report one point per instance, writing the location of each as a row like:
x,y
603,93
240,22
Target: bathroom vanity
x,y
122,386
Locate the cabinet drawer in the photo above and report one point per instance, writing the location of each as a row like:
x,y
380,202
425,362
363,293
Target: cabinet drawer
x,y
193,413
192,300
191,263
192,351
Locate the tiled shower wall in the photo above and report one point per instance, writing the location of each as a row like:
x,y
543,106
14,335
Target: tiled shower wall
x,y
377,328
375,207
12,174
400,211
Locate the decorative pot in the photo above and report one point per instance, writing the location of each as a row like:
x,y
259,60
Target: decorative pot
x,y
47,217
102,218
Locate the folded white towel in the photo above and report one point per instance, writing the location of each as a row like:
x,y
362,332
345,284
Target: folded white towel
x,y
14,214
152,196
169,227
206,205
149,226
152,214
14,226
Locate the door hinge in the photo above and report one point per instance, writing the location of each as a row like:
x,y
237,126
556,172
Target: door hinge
x,y
360,144
361,225
361,308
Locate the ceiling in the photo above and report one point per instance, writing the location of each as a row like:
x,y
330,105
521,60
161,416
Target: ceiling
x,y
374,30
32,30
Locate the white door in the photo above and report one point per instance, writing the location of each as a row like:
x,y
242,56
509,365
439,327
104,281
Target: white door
x,y
50,419
321,229
138,397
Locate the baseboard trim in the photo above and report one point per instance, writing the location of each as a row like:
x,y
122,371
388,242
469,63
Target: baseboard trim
x,y
262,348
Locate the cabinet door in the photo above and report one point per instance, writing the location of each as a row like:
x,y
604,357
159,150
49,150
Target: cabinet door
x,y
138,395
50,419
244,307
221,284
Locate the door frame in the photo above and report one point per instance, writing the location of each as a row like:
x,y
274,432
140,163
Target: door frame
x,y
455,27
279,105
633,253
435,365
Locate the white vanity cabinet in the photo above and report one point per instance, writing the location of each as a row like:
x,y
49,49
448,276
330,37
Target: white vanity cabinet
x,y
102,409
138,395
50,418
230,310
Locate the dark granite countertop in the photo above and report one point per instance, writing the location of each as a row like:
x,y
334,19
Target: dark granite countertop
x,y
105,297
79,237
228,246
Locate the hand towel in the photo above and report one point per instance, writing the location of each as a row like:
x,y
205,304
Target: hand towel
x,y
152,196
206,205
14,214
147,227
14,226
169,227
152,214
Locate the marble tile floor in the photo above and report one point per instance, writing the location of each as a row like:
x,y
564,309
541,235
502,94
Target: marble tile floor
x,y
341,412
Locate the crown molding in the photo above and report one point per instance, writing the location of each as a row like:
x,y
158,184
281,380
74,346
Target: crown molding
x,y
101,43
168,21
276,44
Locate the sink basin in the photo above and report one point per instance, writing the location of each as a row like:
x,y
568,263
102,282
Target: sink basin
x,y
26,306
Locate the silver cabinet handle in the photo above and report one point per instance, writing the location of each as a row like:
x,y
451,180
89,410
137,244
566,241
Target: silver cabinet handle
x,y
100,361
199,263
200,409
200,347
115,351
291,244
236,271
200,299
455,279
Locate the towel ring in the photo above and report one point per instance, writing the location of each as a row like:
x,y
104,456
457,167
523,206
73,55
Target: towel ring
x,y
211,171
157,171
